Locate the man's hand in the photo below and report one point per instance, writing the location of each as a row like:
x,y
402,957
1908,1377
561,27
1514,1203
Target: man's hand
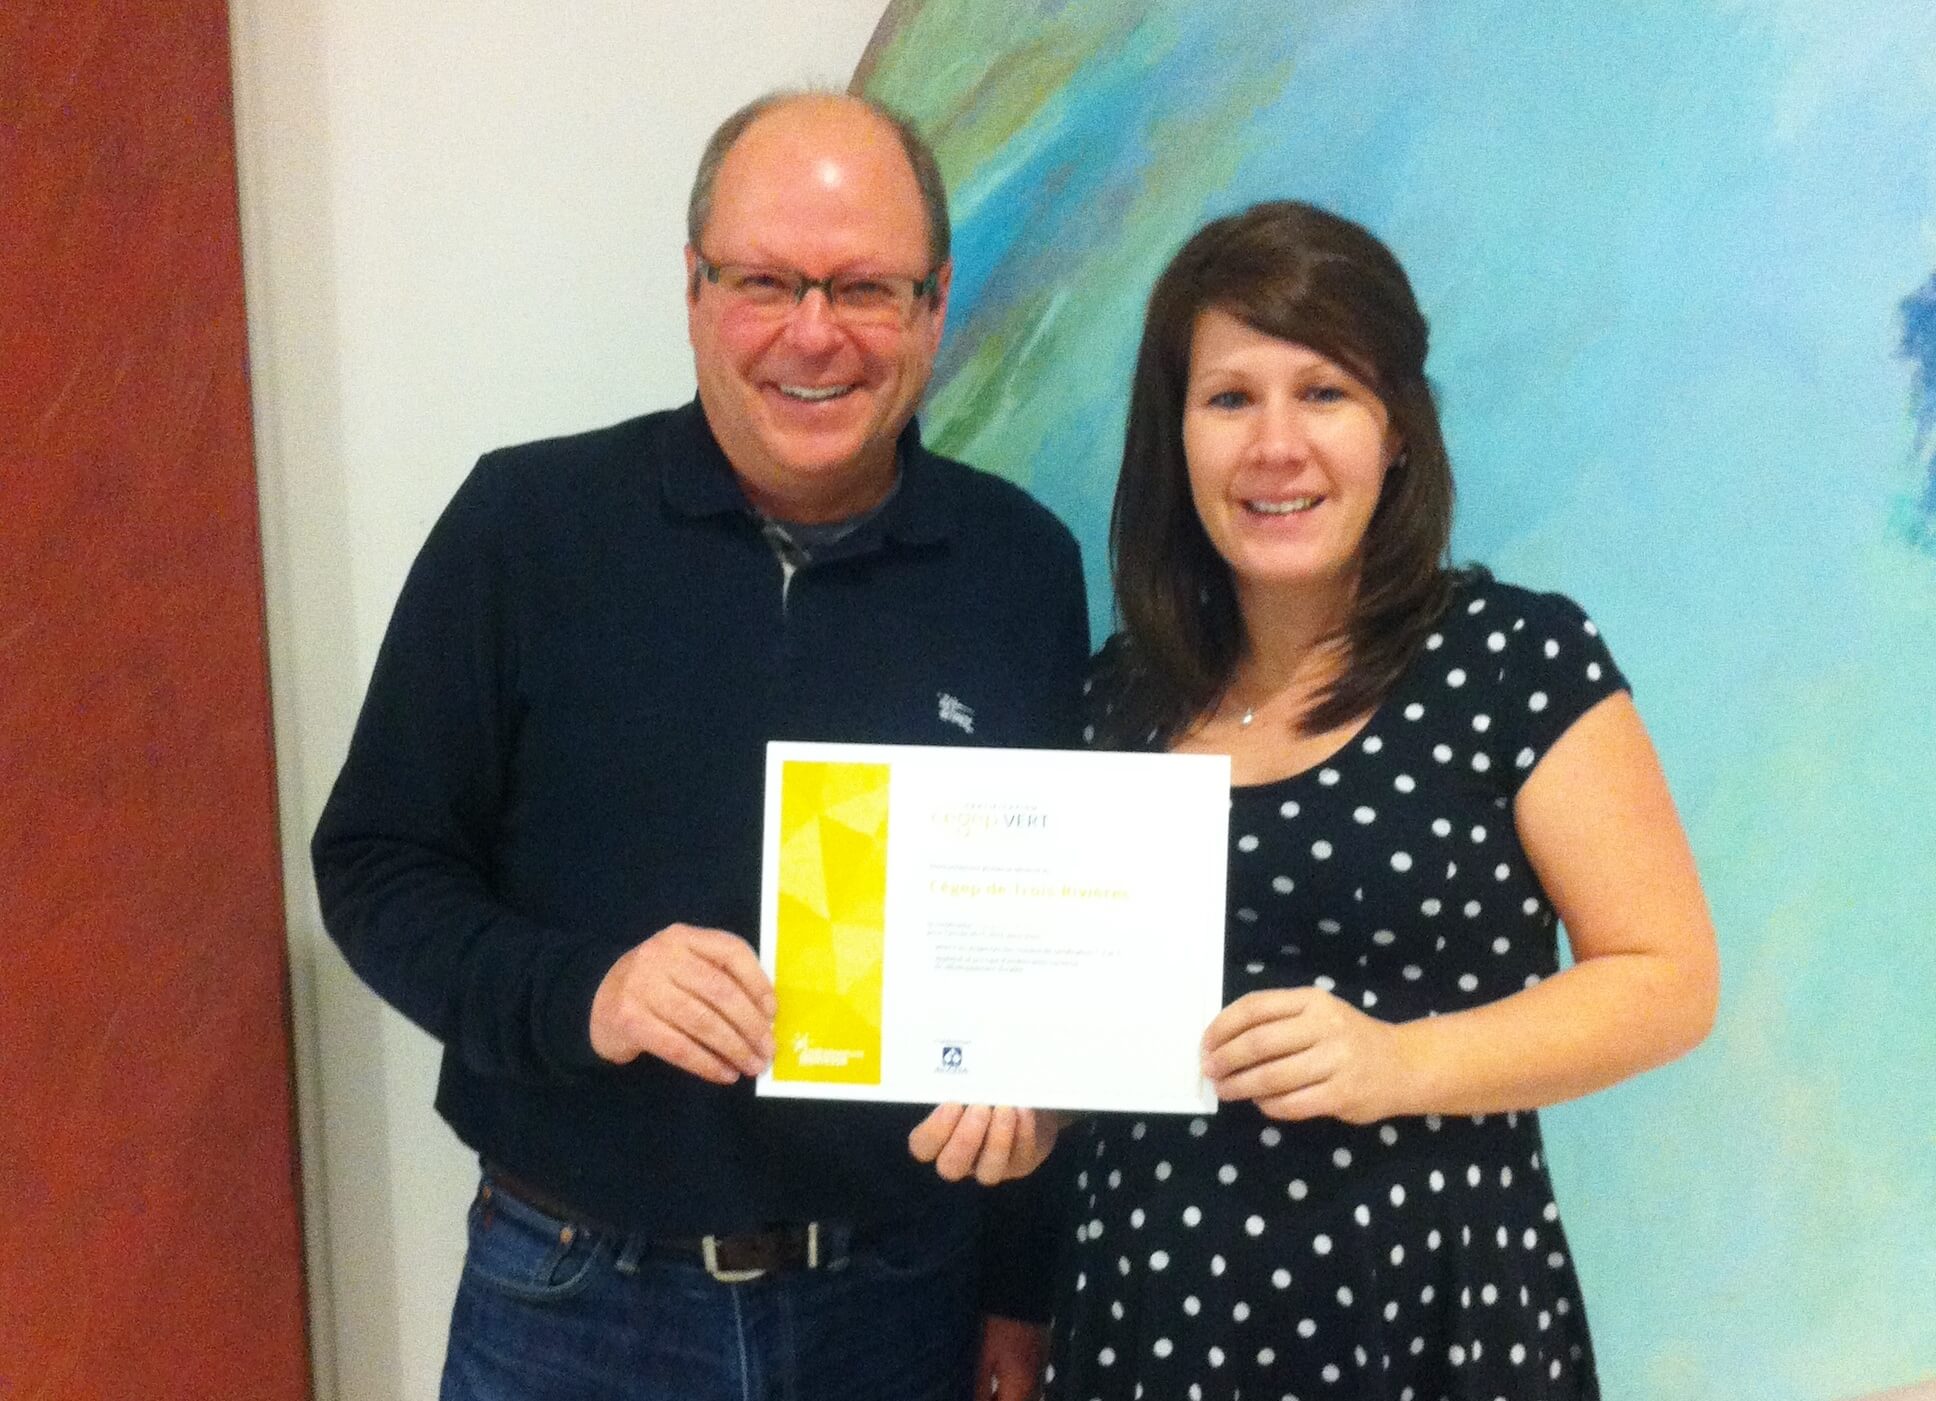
x,y
1012,1353
1302,1053
695,998
993,1145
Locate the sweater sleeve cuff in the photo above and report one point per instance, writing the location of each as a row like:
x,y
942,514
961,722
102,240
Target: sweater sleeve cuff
x,y
565,1036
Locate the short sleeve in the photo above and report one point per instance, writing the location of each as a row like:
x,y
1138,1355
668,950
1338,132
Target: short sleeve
x,y
1555,666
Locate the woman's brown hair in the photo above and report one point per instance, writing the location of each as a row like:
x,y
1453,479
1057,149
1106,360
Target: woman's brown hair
x,y
1300,274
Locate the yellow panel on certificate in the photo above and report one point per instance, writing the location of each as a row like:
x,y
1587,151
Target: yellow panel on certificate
x,y
993,926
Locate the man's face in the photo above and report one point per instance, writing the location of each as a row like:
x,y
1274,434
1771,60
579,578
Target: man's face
x,y
806,408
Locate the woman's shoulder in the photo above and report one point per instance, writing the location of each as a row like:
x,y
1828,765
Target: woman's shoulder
x,y
1489,615
1116,698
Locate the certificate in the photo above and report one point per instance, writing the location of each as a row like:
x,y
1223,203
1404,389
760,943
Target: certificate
x,y
993,926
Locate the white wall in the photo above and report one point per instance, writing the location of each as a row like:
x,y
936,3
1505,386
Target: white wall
x,y
462,223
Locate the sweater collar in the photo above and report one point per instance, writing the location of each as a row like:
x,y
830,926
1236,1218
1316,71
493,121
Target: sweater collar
x,y
699,481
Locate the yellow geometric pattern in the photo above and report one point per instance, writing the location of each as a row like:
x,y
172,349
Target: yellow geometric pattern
x,y
832,922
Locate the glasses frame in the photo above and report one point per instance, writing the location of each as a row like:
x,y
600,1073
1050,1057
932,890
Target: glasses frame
x,y
921,287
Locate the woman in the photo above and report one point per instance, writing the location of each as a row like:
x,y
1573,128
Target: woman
x,y
1431,768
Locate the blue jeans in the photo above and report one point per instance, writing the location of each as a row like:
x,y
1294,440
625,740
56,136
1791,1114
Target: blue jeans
x,y
549,1314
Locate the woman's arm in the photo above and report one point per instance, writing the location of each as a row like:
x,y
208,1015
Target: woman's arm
x,y
1599,827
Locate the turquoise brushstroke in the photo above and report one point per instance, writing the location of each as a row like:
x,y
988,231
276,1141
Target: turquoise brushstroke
x,y
1665,248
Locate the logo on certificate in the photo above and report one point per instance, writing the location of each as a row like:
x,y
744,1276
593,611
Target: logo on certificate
x,y
951,1056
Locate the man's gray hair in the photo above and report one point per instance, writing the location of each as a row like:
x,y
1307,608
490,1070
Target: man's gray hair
x,y
927,171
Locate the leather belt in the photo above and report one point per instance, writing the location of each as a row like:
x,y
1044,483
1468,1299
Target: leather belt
x,y
731,1259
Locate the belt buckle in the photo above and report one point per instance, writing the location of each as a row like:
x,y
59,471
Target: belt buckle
x,y
709,1255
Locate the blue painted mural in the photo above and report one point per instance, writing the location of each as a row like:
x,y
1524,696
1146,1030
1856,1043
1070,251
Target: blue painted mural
x,y
1678,260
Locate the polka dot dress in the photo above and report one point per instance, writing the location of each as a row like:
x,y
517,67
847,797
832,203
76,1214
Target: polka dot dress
x,y
1235,1258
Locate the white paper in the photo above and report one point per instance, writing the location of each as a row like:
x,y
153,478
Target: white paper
x,y
1049,932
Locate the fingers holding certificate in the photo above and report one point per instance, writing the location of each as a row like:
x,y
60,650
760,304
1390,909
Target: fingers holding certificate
x,y
993,927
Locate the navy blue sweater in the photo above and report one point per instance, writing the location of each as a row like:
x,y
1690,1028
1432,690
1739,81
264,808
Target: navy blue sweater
x,y
562,752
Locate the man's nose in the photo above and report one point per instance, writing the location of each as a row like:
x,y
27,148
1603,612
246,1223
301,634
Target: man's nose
x,y
811,324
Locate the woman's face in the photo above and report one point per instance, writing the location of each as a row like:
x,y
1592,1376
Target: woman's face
x,y
1287,453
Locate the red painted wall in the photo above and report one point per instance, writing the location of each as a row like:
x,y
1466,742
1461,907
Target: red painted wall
x,y
149,1236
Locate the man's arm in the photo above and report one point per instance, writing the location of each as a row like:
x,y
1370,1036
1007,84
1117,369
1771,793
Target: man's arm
x,y
405,848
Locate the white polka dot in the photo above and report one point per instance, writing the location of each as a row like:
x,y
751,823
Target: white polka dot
x,y
1328,777
1283,885
1467,982
1384,938
1502,945
1162,1347
1253,969
1324,983
1456,1355
1136,1218
1088,734
1321,1244
1307,1327
1227,1174
1550,1211
1287,810
1387,1135
1216,1264
1524,759
1373,745
1555,1259
1427,1294
1192,1305
1502,871
1530,1239
1496,642
1240,1311
1430,906
1436,1181
1106,1358
1412,972
1216,1356
1414,711
1398,1255
1481,762
1472,1175
1159,1259
1345,1296
1330,1372
1138,1129
1401,861
1199,1127
1591,629
1397,1195
1297,1189
1434,642
1265,1356
1404,783
1482,723
1270,1137
1122,1264
1247,842
1370,998
1455,678
1281,1278
1162,1172
1536,702
1364,816
1341,1157
1472,908
1362,1214
1489,1295
1529,905
1115,1178
1247,915
1442,752
1192,1215
1552,649
1321,850
1329,926
1434,1240
1593,671
1095,1230
1518,1353
1254,1225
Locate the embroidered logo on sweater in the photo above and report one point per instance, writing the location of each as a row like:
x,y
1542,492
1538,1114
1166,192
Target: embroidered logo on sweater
x,y
955,713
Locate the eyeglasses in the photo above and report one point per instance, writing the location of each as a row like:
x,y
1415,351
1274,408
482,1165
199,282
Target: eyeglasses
x,y
854,298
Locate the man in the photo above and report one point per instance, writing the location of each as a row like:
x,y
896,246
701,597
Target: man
x,y
544,845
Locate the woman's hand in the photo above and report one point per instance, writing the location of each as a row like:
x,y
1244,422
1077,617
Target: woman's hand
x,y
992,1145
1302,1053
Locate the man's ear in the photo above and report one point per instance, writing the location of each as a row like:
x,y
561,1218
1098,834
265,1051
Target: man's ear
x,y
943,279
